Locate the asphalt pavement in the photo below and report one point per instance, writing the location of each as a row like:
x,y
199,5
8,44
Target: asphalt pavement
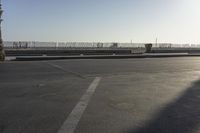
x,y
146,95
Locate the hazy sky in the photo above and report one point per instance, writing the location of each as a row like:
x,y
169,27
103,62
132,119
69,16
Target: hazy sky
x,y
175,21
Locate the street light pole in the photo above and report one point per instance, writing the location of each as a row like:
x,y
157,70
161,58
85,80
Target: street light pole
x,y
2,53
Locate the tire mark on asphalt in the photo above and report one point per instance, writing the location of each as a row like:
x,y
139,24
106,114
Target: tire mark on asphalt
x,y
60,68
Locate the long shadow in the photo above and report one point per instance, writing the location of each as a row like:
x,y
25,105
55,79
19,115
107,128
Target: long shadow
x,y
180,116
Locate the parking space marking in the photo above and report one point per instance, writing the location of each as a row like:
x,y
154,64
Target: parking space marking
x,y
74,117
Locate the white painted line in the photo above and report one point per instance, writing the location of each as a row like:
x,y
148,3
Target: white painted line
x,y
73,119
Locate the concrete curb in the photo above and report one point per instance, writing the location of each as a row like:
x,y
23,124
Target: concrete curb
x,y
40,58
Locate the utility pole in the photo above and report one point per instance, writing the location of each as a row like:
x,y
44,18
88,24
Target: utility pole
x,y
156,42
2,53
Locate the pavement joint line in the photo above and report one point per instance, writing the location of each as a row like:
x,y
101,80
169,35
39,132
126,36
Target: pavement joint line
x,y
60,68
74,117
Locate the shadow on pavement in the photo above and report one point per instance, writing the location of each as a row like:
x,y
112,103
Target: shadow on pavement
x,y
180,116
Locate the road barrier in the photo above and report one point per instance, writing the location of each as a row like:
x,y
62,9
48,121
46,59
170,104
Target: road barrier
x,y
65,52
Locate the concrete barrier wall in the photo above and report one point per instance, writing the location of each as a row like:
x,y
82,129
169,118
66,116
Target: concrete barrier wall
x,y
64,52
92,51
176,50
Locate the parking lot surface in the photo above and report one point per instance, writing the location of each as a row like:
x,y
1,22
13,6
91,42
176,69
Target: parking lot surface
x,y
151,95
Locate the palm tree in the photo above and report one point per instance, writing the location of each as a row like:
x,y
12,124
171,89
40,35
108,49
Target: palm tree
x,y
2,53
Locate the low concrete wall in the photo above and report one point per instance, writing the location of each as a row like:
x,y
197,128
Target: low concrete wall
x,y
175,50
100,51
64,52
